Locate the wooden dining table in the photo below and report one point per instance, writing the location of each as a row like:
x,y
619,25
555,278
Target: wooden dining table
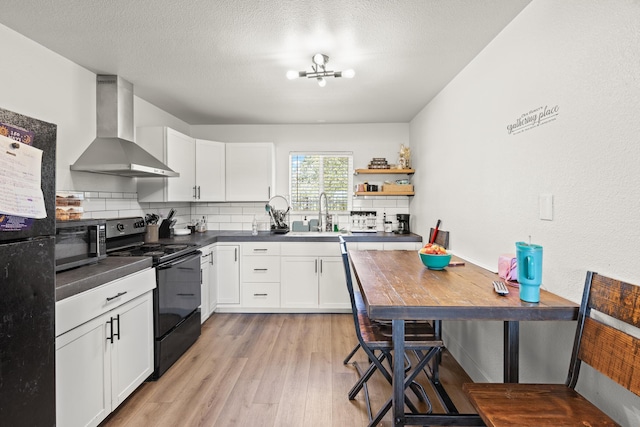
x,y
396,286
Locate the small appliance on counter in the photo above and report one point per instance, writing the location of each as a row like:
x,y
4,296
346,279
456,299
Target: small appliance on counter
x,y
403,224
80,242
363,221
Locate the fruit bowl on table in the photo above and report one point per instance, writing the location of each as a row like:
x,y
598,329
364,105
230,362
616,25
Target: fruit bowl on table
x,y
434,258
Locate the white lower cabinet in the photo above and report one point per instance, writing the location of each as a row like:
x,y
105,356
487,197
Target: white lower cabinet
x,y
274,277
332,285
226,264
83,375
312,277
100,362
299,281
260,269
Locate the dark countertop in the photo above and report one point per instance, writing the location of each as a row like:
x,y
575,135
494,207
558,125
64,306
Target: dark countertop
x,y
209,237
74,281
80,279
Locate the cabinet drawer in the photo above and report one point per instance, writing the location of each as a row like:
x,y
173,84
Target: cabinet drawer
x,y
261,269
261,294
80,308
261,248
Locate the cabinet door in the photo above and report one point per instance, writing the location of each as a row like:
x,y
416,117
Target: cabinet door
x,y
177,151
132,352
249,171
210,171
227,266
83,374
181,154
299,282
332,291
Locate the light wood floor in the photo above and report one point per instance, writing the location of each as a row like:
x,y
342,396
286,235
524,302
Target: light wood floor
x,y
268,370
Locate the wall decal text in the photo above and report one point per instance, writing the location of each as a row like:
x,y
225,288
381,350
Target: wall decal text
x,y
533,118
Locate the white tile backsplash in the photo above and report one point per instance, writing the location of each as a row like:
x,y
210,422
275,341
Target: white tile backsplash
x,y
228,216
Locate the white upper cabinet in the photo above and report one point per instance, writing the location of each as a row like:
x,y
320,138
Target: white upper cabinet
x,y
200,164
210,171
250,171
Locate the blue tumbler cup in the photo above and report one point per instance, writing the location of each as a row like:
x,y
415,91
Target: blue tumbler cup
x,y
529,258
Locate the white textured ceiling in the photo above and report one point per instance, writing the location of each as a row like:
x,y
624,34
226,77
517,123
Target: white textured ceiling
x,y
224,61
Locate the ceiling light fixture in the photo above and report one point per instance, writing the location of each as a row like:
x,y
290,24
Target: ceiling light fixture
x,y
320,71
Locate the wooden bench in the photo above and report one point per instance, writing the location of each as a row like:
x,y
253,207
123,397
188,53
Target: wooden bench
x,y
604,347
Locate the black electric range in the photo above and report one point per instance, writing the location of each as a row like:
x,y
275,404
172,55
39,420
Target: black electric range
x,y
177,296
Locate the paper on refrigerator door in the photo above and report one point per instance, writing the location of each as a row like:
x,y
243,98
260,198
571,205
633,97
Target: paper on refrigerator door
x,y
20,177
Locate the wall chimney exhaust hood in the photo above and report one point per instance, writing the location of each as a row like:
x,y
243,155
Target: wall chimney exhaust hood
x,y
113,151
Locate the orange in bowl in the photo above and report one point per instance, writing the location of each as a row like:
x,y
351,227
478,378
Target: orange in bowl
x,y
434,256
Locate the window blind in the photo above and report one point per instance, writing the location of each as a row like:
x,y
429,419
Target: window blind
x,y
310,174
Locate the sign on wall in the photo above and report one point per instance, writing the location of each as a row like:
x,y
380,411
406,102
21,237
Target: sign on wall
x,y
532,119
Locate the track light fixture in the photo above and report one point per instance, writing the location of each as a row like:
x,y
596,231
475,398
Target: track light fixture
x,y
320,71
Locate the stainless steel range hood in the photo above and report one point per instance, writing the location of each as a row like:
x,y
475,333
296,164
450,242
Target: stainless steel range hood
x,y
113,151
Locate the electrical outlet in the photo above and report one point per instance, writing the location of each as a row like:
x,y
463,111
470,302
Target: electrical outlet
x,y
546,207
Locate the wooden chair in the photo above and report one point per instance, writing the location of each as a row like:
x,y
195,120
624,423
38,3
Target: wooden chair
x,y
442,238
373,337
604,347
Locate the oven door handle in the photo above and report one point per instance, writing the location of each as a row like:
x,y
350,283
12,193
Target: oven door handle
x,y
178,261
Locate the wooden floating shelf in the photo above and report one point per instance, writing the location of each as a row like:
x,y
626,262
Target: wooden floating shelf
x,y
384,193
385,171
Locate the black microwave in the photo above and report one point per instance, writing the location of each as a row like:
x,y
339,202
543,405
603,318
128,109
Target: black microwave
x,y
80,242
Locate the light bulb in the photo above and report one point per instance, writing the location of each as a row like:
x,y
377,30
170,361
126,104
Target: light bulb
x,y
322,82
292,74
348,73
320,59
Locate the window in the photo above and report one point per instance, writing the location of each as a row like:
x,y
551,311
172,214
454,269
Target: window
x,y
312,173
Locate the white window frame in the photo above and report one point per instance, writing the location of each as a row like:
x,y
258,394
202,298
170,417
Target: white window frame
x,y
348,154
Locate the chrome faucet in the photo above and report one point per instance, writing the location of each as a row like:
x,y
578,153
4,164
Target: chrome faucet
x,y
324,224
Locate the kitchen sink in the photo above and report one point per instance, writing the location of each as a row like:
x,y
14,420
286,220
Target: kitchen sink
x,y
318,233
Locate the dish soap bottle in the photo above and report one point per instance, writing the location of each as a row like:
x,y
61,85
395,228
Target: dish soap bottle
x,y
202,226
254,227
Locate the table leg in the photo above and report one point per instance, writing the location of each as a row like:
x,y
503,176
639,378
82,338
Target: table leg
x,y
398,372
511,351
435,368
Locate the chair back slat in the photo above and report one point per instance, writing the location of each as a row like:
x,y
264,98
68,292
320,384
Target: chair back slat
x,y
612,352
600,343
616,299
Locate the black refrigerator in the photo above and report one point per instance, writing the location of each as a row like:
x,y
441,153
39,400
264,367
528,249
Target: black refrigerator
x,y
27,286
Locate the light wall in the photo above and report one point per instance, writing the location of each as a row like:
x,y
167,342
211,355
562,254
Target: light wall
x,y
484,183
42,84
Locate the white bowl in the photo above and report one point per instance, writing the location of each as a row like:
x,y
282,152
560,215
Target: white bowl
x,y
181,231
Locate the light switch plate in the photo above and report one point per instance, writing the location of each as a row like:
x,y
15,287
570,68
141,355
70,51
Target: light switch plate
x,y
546,207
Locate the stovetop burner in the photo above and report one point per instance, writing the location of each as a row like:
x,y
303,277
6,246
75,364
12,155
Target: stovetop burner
x,y
158,251
154,253
126,238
